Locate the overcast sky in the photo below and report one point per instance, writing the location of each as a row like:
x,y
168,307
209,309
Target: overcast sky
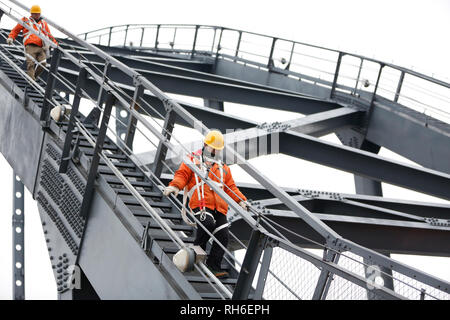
x,y
409,33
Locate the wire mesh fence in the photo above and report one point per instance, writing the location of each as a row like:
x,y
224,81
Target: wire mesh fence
x,y
416,290
290,277
342,289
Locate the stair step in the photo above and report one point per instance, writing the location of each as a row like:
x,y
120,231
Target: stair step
x,y
106,146
135,202
176,227
211,295
145,194
129,174
90,152
198,279
143,184
163,237
88,126
107,140
126,165
167,216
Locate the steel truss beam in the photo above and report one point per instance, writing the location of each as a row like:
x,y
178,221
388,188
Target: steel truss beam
x,y
262,140
365,164
366,206
411,134
222,91
180,61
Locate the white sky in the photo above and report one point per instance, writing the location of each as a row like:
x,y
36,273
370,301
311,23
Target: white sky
x,y
408,33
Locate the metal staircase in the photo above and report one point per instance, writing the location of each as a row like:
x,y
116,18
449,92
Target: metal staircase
x,y
101,204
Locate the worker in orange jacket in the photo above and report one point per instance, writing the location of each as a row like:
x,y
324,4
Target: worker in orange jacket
x,y
34,46
209,208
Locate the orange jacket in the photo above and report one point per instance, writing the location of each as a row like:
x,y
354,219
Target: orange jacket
x,y
185,177
28,36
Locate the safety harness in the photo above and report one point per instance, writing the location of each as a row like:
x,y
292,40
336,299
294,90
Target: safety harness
x,y
199,187
39,26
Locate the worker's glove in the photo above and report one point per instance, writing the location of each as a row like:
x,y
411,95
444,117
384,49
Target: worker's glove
x,y
171,190
245,205
10,41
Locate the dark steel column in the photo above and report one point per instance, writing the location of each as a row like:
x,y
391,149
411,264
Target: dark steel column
x,y
161,153
264,271
325,278
18,224
45,113
255,249
85,206
132,121
370,187
66,156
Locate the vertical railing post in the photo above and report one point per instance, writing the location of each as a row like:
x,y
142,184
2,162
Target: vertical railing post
x,y
377,85
399,87
18,249
126,36
88,194
214,40
372,101
157,36
131,129
359,76
238,47
288,67
218,48
195,41
161,153
336,75
255,249
94,116
102,94
142,37
66,155
270,63
45,112
110,36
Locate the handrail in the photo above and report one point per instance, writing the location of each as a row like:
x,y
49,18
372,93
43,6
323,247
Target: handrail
x,y
216,49
393,66
333,239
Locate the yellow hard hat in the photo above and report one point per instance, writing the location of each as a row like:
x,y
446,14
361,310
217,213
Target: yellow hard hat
x,y
35,9
215,140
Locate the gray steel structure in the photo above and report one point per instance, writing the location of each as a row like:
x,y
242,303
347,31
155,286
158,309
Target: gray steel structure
x,y
110,232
